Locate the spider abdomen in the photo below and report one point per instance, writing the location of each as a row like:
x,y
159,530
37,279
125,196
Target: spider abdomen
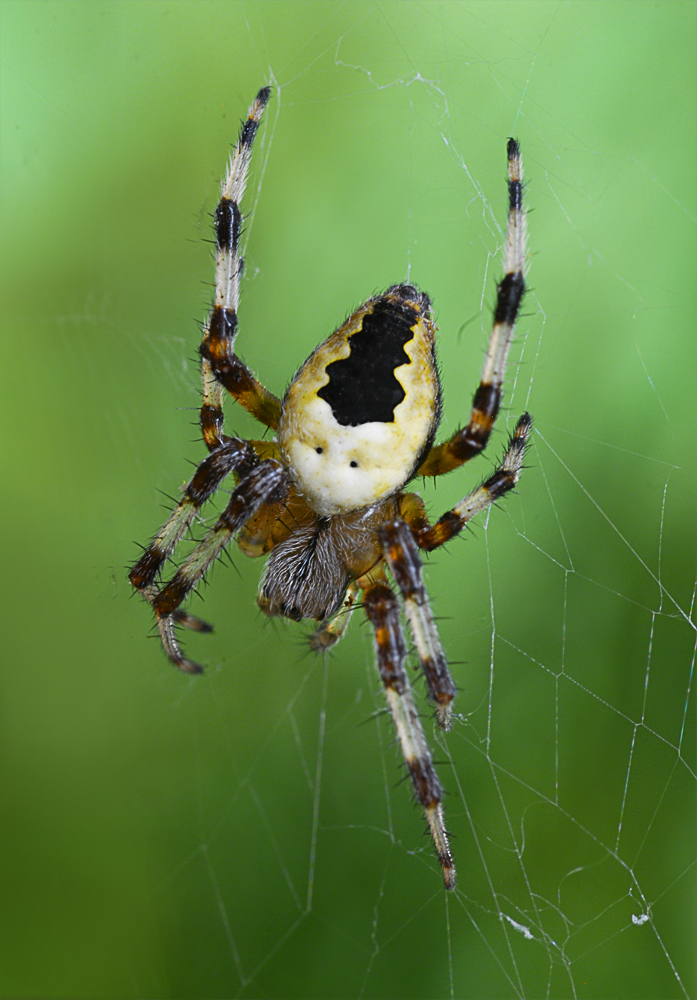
x,y
365,406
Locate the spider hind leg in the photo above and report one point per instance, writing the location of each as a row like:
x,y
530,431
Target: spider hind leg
x,y
382,610
402,556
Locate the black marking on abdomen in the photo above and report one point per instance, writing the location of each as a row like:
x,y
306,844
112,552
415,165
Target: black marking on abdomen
x,y
362,388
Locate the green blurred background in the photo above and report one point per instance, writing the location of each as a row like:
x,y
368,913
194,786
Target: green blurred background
x,y
163,835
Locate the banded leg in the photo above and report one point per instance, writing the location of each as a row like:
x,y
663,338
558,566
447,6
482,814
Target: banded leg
x,y
431,536
219,365
234,454
471,440
402,556
266,483
383,611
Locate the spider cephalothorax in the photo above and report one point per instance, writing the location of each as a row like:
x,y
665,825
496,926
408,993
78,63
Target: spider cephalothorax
x,y
325,499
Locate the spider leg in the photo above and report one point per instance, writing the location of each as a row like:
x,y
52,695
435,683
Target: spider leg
x,y
505,476
402,556
472,439
219,365
233,455
383,611
265,483
333,629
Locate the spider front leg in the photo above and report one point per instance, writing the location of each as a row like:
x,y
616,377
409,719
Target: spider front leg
x,y
220,367
265,483
233,455
431,536
383,611
473,438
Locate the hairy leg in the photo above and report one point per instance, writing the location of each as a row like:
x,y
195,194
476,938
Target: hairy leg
x,y
472,439
402,556
430,536
219,365
265,483
383,611
233,455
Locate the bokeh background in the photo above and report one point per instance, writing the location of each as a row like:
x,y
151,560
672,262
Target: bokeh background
x,y
245,833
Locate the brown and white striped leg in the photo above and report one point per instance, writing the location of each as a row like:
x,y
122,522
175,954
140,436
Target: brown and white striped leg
x,y
383,611
233,455
402,556
472,439
219,365
431,536
265,483
333,629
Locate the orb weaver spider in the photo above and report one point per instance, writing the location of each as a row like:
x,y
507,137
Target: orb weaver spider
x,y
325,498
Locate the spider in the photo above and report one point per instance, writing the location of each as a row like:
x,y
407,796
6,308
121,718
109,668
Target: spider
x,y
325,499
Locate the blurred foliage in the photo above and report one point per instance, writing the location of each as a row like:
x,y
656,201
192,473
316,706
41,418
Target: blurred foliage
x,y
158,829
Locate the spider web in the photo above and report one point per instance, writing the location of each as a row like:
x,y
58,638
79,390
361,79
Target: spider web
x,y
289,858
570,771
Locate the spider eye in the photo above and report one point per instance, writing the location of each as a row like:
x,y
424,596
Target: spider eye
x,y
319,450
354,465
